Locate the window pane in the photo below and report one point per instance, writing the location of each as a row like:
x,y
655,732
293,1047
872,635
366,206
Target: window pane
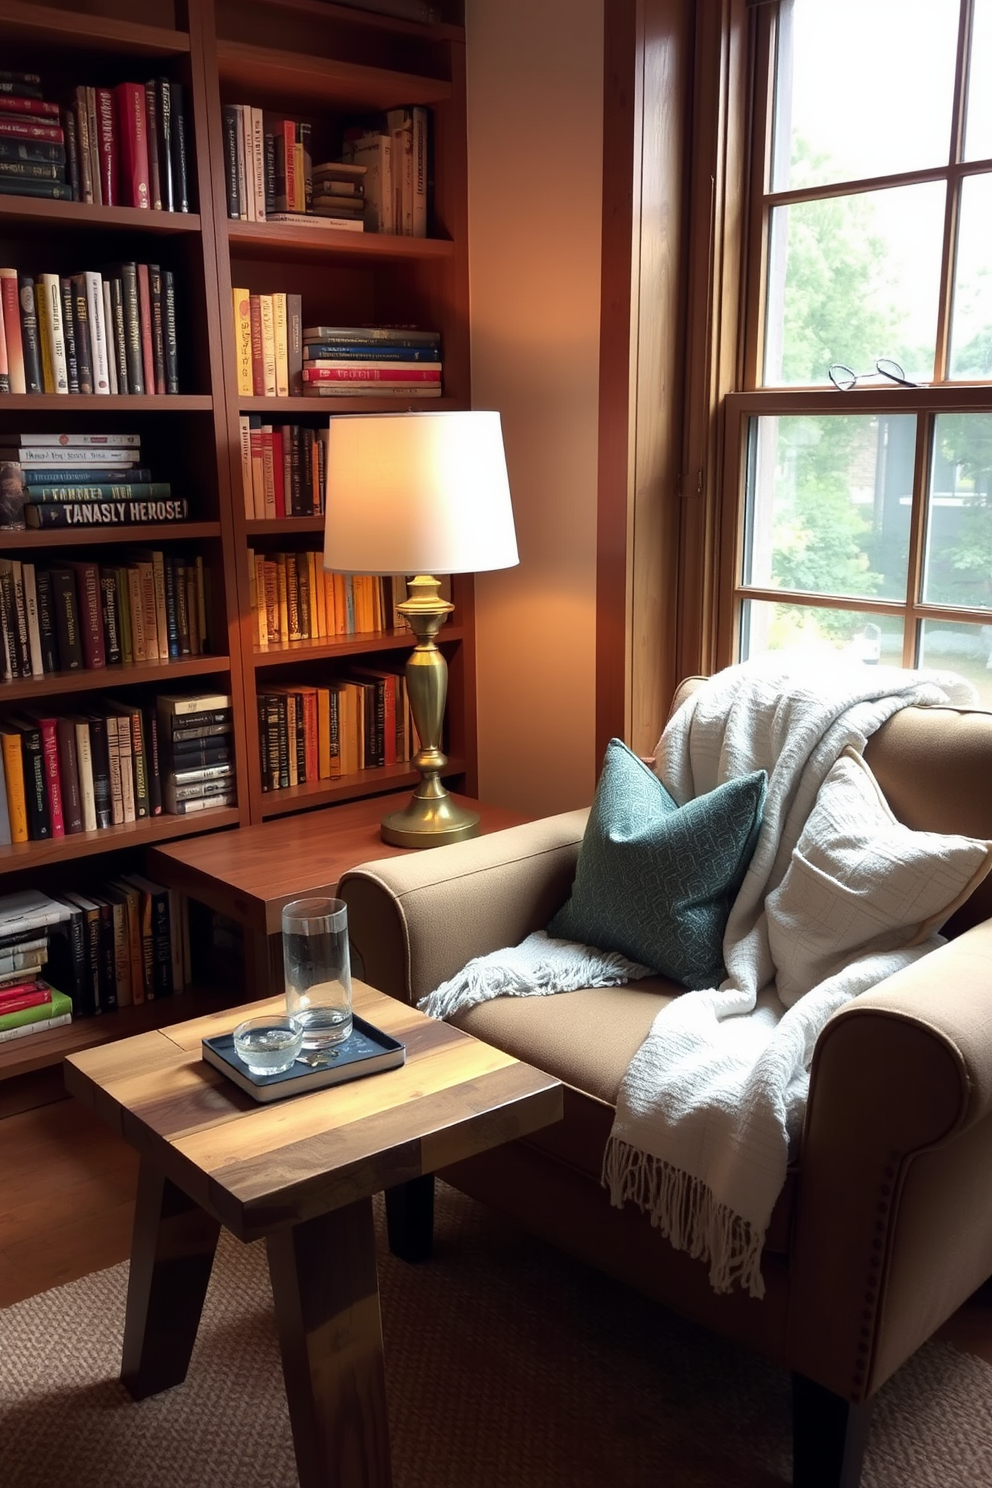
x,y
965,649
958,565
828,504
863,88
971,318
789,627
978,124
852,278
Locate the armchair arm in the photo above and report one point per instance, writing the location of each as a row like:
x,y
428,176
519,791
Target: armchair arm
x,y
416,920
894,1217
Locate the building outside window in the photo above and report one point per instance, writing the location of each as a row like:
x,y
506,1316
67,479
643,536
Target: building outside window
x,y
858,450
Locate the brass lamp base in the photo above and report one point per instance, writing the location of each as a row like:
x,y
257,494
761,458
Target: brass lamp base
x,y
430,818
429,821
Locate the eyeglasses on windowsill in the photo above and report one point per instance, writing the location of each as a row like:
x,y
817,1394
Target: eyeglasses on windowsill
x,y
845,378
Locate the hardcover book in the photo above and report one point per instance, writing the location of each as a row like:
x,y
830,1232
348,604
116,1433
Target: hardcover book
x,y
367,1051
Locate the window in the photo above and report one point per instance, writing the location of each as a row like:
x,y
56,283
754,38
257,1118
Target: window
x,y
858,454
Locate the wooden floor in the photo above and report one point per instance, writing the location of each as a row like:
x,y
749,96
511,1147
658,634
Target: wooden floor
x,y
67,1186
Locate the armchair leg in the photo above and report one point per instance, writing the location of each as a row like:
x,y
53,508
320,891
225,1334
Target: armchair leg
x,y
410,1218
829,1436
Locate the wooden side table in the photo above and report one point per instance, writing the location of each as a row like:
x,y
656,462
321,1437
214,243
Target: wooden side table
x,y
250,873
300,1173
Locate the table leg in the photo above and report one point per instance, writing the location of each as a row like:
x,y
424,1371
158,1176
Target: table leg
x,y
326,1295
171,1256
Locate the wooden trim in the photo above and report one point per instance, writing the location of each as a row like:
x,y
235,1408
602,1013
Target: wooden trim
x,y
719,160
646,94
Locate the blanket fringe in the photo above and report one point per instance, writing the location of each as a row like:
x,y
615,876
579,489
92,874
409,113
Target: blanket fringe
x,y
685,1211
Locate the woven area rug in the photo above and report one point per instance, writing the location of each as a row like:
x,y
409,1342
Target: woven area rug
x,y
508,1366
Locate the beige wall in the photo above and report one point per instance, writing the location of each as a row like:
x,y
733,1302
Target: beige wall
x,y
535,139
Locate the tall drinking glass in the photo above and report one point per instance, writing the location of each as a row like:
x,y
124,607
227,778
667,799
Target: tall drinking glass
x,y
318,971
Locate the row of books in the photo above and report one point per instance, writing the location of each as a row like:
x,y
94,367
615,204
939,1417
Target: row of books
x,y
106,765
122,943
283,468
396,156
406,362
267,162
79,614
308,733
294,598
268,338
97,331
118,146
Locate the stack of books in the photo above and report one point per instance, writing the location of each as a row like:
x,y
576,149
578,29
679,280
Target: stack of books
x,y
371,361
29,1003
283,468
267,164
268,334
32,141
395,155
126,145
311,733
106,331
196,743
339,193
86,480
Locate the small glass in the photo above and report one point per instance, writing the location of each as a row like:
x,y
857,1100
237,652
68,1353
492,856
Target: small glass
x,y
318,973
269,1044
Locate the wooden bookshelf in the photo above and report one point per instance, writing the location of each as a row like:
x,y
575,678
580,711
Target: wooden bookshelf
x,y
324,63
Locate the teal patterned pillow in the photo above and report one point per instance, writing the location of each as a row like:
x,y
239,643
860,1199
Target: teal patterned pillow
x,y
656,881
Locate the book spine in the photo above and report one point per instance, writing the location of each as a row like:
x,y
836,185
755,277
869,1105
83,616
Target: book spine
x,y
107,147
52,291
105,513
257,350
67,620
167,152
47,628
242,340
169,322
81,322
231,161
90,614
68,769
98,332
69,333
9,298
100,751
85,145
110,616
158,325
35,784
119,339
33,376
151,131
84,761
131,315
180,153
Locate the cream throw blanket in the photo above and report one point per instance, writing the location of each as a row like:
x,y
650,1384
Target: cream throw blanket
x,y
715,1094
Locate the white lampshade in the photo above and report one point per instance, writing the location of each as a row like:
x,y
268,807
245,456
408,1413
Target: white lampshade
x,y
417,493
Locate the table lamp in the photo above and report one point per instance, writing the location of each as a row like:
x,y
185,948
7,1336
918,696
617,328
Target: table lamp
x,y
421,494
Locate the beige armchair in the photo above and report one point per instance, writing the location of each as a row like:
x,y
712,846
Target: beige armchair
x,y
884,1226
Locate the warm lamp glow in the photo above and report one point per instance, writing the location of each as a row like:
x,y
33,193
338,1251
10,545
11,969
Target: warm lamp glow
x,y
420,494
417,493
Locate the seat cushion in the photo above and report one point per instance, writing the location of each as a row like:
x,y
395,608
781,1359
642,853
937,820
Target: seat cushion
x,y
587,1039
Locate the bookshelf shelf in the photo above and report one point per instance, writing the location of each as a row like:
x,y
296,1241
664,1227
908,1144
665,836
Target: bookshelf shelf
x,y
72,215
65,537
24,1055
311,81
46,26
347,788
19,856
346,403
164,674
370,19
344,646
287,240
105,404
